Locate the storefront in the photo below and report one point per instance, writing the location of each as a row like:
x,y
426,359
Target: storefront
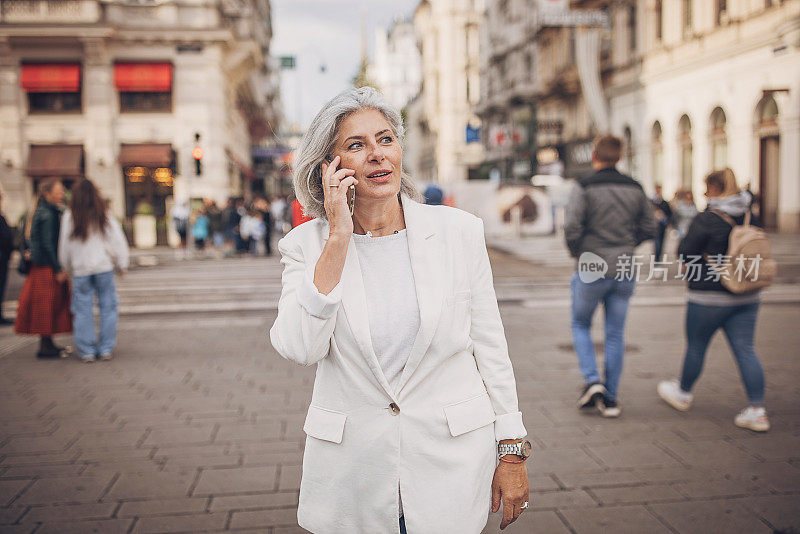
x,y
148,171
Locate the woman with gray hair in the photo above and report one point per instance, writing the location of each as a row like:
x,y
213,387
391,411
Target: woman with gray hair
x,y
414,420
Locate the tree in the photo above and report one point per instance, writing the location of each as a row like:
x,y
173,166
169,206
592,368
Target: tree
x,y
362,79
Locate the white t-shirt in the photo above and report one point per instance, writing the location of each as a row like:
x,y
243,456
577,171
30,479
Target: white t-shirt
x,y
391,299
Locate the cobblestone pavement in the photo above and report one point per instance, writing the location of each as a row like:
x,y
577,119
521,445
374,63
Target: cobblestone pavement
x,y
195,426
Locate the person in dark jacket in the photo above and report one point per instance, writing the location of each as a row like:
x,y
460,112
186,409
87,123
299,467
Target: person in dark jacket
x,y
607,217
6,248
44,305
663,214
711,306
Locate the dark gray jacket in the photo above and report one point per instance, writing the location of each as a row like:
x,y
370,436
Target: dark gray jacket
x,y
608,214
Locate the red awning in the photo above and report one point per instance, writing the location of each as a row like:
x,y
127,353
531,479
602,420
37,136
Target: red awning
x,y
51,77
143,77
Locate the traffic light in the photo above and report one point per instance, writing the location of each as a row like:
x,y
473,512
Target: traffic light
x,y
197,154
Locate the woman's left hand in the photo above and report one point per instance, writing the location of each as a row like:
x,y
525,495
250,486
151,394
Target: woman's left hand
x,y
510,484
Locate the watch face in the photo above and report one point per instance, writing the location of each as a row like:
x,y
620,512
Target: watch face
x,y
527,449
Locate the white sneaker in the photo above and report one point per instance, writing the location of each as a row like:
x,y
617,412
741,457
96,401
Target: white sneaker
x,y
107,356
88,359
671,392
753,418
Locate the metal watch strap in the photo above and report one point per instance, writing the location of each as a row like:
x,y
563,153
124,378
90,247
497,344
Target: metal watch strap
x,y
509,448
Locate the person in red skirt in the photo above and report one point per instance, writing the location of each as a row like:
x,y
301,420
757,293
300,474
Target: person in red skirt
x,y
43,308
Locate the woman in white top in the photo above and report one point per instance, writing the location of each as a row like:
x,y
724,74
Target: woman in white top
x,y
414,398
91,246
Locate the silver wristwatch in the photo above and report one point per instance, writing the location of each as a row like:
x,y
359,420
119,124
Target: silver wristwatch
x,y
522,449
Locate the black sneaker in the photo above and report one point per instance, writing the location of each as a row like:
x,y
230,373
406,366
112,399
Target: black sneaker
x,y
591,394
608,407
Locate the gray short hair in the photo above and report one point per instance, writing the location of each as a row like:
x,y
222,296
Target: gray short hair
x,y
321,136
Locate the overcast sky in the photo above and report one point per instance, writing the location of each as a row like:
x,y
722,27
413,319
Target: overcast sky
x,y
324,32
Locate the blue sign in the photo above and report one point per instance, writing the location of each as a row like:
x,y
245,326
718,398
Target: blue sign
x,y
473,134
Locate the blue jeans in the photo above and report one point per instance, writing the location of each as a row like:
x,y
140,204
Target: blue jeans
x,y
615,296
83,291
739,324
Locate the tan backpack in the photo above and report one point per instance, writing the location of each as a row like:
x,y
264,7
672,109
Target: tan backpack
x,y
748,264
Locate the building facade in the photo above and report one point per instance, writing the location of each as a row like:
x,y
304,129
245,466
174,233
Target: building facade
x,y
721,88
132,94
448,145
396,66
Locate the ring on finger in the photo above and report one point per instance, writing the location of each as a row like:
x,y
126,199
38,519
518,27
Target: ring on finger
x,y
334,184
524,506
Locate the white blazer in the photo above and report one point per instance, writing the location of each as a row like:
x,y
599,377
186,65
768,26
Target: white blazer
x,y
436,435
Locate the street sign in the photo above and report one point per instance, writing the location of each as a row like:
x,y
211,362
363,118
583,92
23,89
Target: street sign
x,y
473,134
287,62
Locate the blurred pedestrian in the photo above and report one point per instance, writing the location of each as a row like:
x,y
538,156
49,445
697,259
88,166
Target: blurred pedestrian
x,y
91,247
663,214
712,306
180,217
44,307
251,229
298,216
434,195
200,229
608,215
6,248
216,228
277,208
264,209
683,211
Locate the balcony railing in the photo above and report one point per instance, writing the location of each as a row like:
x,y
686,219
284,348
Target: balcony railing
x,y
49,11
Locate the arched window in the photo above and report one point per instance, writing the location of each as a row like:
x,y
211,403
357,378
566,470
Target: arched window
x,y
628,150
657,154
718,139
685,147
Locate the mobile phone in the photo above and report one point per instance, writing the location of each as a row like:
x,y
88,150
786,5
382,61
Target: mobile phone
x,y
351,193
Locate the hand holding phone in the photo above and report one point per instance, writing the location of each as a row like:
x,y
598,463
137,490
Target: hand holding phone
x,y
338,187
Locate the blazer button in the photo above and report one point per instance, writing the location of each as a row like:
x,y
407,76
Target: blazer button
x,y
394,409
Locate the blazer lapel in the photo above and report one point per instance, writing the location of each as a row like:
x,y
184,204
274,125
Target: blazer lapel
x,y
354,302
427,264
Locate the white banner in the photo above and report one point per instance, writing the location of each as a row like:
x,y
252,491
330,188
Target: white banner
x,y
587,52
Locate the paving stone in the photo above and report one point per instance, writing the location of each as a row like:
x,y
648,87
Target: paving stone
x,y
636,494
70,512
105,526
779,446
162,506
290,477
562,499
179,435
110,440
632,455
180,523
562,460
264,518
248,432
616,519
10,489
9,514
262,500
236,480
530,522
781,511
151,485
43,471
709,453
702,517
65,490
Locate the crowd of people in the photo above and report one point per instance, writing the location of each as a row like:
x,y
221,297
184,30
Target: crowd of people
x,y
238,228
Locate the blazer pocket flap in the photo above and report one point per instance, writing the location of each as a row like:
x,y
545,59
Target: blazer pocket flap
x,y
324,424
469,415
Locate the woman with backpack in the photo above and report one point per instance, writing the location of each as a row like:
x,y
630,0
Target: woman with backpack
x,y
43,304
711,305
92,245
